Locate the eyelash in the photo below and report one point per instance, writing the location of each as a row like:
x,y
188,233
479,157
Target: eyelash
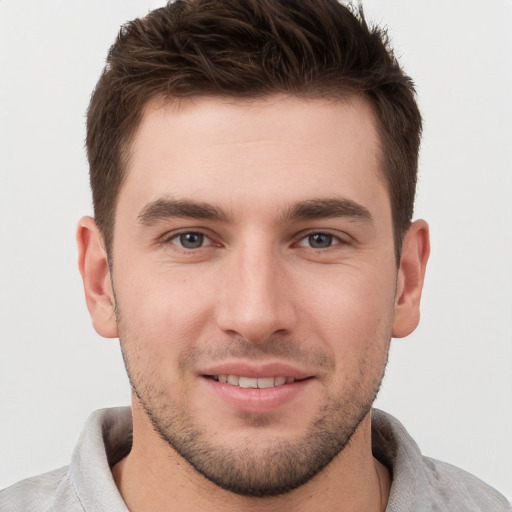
x,y
169,239
334,240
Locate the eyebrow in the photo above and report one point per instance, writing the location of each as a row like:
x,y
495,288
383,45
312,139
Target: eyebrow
x,y
327,208
311,209
163,209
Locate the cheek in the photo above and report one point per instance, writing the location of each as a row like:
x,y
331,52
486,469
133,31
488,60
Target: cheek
x,y
161,314
353,312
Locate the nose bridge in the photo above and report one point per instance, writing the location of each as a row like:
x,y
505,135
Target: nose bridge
x,y
256,303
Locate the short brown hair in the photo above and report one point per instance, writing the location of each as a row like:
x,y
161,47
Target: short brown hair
x,y
251,49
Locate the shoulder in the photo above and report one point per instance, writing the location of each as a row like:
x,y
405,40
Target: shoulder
x,y
40,493
421,484
87,483
452,486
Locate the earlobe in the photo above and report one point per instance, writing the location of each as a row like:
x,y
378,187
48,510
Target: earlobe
x,y
411,274
94,268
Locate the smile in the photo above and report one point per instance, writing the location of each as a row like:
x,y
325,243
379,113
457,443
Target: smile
x,y
258,391
252,382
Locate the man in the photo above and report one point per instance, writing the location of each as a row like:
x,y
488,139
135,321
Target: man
x,y
253,167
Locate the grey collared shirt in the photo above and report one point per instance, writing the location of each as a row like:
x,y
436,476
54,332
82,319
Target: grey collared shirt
x,y
420,484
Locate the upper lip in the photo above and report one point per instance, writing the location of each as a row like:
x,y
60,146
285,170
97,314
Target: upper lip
x,y
256,370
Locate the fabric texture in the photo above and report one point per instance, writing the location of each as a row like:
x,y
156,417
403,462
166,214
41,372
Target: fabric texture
x,y
420,484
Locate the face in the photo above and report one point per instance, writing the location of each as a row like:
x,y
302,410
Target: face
x,y
254,277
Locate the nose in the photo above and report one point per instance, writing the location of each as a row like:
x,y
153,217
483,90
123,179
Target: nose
x,y
257,300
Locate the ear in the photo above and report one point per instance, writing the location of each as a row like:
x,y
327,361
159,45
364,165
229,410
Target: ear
x,y
413,263
94,268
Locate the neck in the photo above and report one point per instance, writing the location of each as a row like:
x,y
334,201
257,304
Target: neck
x,y
155,477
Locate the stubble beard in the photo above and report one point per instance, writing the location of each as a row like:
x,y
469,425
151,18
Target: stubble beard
x,y
247,469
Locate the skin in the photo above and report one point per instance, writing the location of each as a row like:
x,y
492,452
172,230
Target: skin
x,y
288,267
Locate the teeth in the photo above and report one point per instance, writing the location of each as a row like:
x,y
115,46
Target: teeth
x,y
267,382
251,382
233,379
246,382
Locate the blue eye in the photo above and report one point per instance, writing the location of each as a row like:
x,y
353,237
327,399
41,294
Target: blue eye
x,y
190,240
319,240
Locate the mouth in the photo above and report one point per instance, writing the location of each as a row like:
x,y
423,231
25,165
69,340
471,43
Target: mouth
x,y
253,382
252,390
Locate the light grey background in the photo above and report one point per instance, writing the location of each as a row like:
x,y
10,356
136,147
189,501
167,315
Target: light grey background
x,y
450,382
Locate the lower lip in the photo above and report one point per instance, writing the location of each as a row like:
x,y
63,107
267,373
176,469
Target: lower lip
x,y
257,400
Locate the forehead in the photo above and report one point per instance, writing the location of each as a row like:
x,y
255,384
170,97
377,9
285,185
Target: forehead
x,y
278,150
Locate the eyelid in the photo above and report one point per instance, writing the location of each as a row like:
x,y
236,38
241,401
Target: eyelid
x,y
168,237
340,237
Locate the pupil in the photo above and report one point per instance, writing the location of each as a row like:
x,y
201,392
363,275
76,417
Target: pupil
x,y
320,240
191,240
